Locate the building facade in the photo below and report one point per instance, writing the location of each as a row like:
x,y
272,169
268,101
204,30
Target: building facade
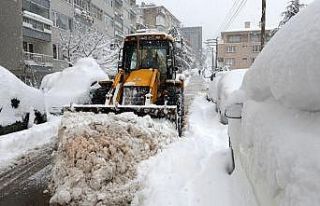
x,y
33,29
26,29
156,17
239,49
193,35
11,35
114,18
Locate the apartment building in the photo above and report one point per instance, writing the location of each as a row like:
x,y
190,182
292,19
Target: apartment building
x,y
114,18
156,17
193,35
33,29
26,28
239,48
11,36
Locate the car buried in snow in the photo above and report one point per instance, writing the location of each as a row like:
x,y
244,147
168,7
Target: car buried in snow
x,y
20,105
274,130
222,88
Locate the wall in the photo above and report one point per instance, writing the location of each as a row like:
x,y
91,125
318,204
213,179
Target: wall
x,y
11,35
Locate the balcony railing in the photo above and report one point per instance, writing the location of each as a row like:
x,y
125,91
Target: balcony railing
x,y
41,3
35,59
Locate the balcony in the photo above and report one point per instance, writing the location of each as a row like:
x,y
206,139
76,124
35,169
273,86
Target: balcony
x,y
36,26
40,7
38,60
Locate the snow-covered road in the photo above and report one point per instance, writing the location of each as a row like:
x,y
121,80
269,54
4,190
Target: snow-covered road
x,y
192,171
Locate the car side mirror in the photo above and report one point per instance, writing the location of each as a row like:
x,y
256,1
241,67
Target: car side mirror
x,y
234,111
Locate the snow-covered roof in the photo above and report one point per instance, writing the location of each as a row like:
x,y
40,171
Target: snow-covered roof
x,y
247,29
37,17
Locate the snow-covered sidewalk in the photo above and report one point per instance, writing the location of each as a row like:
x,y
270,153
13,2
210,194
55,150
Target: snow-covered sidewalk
x,y
192,171
17,144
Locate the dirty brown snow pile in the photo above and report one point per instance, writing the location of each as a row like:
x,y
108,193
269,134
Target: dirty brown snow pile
x,y
98,153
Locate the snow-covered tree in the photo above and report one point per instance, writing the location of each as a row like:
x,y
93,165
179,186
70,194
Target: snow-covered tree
x,y
184,55
292,9
86,41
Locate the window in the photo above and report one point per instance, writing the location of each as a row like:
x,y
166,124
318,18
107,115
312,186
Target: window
x,y
61,21
234,38
230,61
231,49
153,54
255,37
55,51
27,47
256,48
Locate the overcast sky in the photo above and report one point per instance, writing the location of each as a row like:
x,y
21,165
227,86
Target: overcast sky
x,y
211,13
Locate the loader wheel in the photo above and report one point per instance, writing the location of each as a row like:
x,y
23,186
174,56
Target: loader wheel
x,y
98,96
176,97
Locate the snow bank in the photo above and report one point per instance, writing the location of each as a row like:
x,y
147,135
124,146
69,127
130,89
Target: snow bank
x,y
280,151
17,99
192,171
19,143
288,67
98,153
73,84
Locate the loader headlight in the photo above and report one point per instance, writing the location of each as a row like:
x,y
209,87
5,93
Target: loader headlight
x,y
134,95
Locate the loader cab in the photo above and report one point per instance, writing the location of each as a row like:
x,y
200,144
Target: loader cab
x,y
149,51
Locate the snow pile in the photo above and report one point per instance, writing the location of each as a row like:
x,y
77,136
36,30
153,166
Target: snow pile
x,y
98,153
73,84
17,99
192,171
278,139
288,67
19,143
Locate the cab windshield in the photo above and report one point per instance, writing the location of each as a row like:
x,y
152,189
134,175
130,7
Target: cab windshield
x,y
151,54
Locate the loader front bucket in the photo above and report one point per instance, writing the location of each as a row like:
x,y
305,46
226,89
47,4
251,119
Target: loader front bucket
x,y
155,111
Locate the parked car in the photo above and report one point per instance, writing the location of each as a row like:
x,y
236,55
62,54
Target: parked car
x,y
20,104
275,131
221,88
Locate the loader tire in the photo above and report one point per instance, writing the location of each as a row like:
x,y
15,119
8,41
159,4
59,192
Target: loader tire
x,y
176,97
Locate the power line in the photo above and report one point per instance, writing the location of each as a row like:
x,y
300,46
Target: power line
x,y
235,10
235,15
229,14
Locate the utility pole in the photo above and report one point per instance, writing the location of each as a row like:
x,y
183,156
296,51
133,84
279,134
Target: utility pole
x,y
216,63
213,44
263,24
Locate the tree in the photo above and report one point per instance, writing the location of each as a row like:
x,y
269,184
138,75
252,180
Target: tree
x,y
85,41
292,9
184,56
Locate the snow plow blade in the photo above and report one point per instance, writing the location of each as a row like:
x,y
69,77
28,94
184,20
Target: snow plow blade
x,y
155,111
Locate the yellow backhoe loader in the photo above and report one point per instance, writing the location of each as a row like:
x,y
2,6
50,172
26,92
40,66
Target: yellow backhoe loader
x,y
145,83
